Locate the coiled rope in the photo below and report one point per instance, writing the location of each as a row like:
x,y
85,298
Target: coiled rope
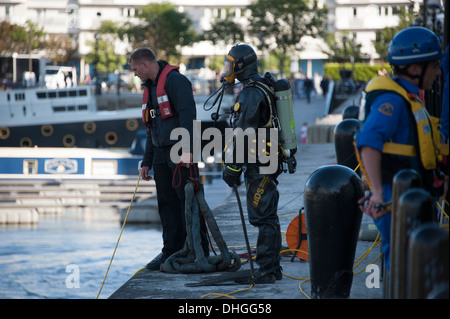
x,y
191,258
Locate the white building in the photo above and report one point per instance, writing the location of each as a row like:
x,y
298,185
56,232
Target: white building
x,y
362,18
80,18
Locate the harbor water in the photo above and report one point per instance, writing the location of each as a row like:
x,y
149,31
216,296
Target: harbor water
x,y
67,255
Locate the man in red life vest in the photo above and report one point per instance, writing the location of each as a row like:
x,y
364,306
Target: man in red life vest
x,y
168,104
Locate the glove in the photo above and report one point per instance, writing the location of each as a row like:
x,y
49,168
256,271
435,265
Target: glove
x,y
231,174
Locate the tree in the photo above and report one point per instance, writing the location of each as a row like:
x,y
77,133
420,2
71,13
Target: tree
x,y
225,30
103,54
279,25
34,39
343,48
161,28
384,37
21,39
13,37
63,49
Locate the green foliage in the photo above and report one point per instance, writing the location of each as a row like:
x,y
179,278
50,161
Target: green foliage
x,y
384,37
342,48
225,30
105,57
216,63
363,72
280,25
21,39
161,28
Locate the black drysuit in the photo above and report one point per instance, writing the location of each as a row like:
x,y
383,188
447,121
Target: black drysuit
x,y
262,193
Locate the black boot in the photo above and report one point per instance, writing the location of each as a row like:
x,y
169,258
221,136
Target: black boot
x,y
155,264
259,277
268,249
267,255
277,258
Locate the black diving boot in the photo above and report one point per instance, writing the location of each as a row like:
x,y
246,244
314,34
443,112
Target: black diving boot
x,y
155,264
260,277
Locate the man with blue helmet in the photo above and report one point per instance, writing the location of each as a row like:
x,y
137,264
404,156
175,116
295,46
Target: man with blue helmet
x,y
398,132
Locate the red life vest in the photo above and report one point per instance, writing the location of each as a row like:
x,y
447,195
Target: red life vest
x,y
161,97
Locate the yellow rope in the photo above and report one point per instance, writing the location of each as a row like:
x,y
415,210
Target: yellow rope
x,y
228,295
121,231
442,210
360,259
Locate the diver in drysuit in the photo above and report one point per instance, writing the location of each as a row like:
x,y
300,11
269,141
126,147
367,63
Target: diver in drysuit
x,y
252,110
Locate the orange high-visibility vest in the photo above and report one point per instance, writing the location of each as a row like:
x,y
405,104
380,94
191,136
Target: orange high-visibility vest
x,y
161,97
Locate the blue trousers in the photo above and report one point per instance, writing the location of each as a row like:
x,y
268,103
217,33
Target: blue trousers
x,y
384,227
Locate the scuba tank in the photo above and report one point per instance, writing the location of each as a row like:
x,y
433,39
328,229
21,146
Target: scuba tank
x,y
283,119
285,113
286,122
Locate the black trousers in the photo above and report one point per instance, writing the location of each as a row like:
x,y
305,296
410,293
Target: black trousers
x,y
171,202
262,205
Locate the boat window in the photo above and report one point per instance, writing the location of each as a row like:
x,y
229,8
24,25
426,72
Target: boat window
x,y
82,92
59,109
71,108
19,96
41,95
82,107
72,93
62,93
52,94
30,166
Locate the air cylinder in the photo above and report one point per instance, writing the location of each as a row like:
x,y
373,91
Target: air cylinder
x,y
333,219
285,112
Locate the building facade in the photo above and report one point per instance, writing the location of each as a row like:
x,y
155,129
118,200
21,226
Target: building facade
x,y
81,18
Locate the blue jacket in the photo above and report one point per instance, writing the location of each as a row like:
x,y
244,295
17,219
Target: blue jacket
x,y
388,121
444,116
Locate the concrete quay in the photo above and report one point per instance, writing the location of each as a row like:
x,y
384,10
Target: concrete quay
x,y
295,284
158,285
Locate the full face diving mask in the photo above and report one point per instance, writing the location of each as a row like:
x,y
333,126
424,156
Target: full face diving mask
x,y
228,69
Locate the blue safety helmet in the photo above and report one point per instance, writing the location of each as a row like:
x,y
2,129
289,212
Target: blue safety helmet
x,y
414,45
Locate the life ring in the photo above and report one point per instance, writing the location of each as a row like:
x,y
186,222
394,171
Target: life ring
x,y
4,133
69,140
47,130
25,142
132,124
292,237
89,127
111,137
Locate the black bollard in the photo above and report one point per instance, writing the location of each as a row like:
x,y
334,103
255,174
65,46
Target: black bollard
x,y
333,219
428,265
350,112
415,207
402,181
344,134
